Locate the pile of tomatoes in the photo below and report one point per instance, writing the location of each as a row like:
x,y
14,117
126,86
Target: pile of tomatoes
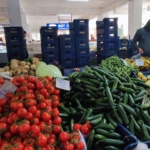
x,y
1,81
30,120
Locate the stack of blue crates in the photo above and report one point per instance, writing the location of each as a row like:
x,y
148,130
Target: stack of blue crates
x,y
124,48
107,38
71,28
67,50
81,33
49,44
15,43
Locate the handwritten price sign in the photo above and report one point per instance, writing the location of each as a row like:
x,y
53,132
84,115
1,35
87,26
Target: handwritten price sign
x,y
63,84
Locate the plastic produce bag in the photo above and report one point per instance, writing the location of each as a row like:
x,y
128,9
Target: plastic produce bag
x,y
141,146
83,137
138,56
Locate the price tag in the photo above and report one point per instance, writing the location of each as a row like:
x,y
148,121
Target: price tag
x,y
63,84
139,62
125,63
7,87
144,99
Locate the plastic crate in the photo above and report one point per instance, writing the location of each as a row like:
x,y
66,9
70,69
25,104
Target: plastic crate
x,y
112,50
68,62
71,31
99,24
48,57
107,37
81,36
80,24
48,30
108,30
13,31
53,38
110,21
103,44
81,61
123,54
14,39
67,53
71,26
130,140
82,44
18,56
124,43
67,45
16,48
82,52
101,57
49,47
66,38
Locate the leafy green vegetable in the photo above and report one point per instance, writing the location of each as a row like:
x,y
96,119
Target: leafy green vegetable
x,y
48,70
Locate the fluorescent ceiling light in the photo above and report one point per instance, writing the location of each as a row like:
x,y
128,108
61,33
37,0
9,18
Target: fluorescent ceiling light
x,y
63,14
78,0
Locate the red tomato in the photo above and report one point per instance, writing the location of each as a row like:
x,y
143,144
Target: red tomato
x,y
64,136
48,86
55,103
38,114
8,135
57,91
28,147
49,78
55,112
2,102
45,116
3,127
80,145
43,91
16,105
24,128
84,129
56,129
3,120
9,120
39,86
42,105
20,79
29,141
50,147
29,116
76,126
57,121
42,126
6,146
51,90
35,121
14,129
15,117
18,146
42,140
69,146
32,79
52,141
53,136
31,86
9,95
32,109
23,88
75,135
30,102
35,131
1,80
22,112
28,96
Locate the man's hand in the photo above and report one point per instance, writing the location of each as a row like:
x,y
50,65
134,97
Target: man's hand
x,y
141,51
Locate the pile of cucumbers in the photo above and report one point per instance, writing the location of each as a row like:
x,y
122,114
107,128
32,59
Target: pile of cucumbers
x,y
104,99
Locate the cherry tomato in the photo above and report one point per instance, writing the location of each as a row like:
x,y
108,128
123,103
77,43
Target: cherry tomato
x,y
32,109
45,116
76,126
22,112
57,121
24,128
3,127
14,129
80,145
35,131
8,135
29,116
35,121
63,136
28,147
69,146
56,129
84,129
57,91
2,102
42,140
29,141
42,105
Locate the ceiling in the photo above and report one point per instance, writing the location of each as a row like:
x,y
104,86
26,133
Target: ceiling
x,y
40,12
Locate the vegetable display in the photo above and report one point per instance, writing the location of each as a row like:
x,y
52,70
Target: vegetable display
x,y
30,118
105,98
116,65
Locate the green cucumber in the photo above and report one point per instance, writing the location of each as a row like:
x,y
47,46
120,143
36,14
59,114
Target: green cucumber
x,y
90,140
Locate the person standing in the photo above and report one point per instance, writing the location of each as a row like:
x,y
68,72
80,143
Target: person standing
x,y
24,36
141,40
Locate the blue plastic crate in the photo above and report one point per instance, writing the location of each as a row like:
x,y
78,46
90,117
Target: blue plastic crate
x,y
66,38
16,48
110,21
103,44
111,50
81,24
48,57
107,37
48,30
123,54
71,26
124,43
68,62
49,47
19,56
71,31
13,31
14,39
109,30
67,45
65,53
82,52
82,60
99,24
82,44
83,64
53,38
81,36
